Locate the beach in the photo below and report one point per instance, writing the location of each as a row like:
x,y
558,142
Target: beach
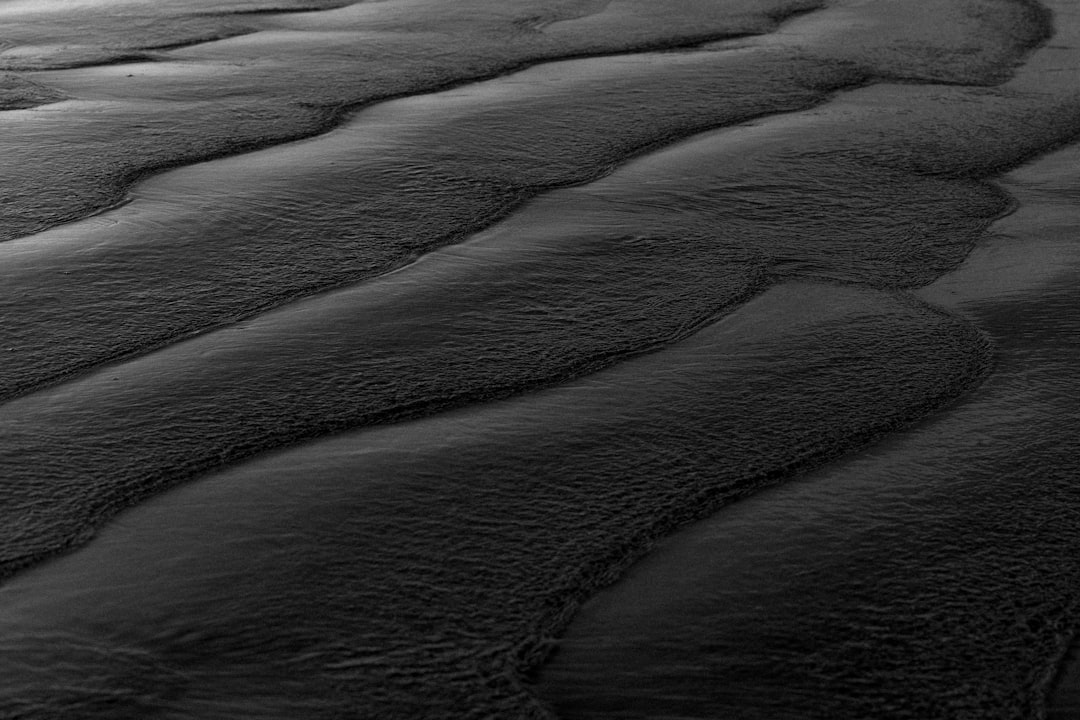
x,y
538,359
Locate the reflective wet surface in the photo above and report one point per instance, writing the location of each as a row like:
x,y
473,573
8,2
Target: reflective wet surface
x,y
424,378
924,576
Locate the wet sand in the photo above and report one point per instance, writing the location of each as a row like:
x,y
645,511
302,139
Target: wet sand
x,y
419,569
613,334
916,556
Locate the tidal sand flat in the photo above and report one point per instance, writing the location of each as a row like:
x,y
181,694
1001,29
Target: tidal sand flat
x,y
417,570
348,348
933,575
226,239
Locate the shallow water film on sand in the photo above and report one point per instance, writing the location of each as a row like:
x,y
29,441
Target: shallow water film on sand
x,y
539,359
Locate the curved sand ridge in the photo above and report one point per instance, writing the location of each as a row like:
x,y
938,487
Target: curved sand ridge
x,y
61,33
201,251
934,574
919,333
414,571
265,90
570,284
226,97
